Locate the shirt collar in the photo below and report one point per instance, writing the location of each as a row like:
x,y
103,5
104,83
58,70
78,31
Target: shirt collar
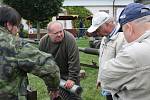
x,y
114,33
141,38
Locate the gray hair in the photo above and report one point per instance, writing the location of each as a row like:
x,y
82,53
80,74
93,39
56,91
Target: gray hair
x,y
142,19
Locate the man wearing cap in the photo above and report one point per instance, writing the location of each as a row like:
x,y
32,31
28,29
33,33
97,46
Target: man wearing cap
x,y
127,75
104,25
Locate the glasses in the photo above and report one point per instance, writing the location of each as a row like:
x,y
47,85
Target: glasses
x,y
56,33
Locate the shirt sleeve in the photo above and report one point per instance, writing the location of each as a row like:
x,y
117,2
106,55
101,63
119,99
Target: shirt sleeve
x,y
101,50
118,73
42,43
41,64
73,60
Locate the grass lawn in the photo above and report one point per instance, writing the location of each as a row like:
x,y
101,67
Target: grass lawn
x,y
88,83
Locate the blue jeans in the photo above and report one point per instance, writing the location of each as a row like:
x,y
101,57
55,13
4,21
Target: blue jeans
x,y
105,93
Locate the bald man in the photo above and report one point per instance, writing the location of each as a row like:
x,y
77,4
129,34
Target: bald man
x,y
62,45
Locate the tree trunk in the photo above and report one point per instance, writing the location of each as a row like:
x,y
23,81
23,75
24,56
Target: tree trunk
x,y
38,30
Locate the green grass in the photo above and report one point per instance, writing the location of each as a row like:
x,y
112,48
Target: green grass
x,y
88,83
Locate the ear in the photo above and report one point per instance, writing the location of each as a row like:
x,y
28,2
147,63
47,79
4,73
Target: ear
x,y
129,29
9,26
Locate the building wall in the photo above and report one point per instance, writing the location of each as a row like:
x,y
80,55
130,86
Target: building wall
x,y
117,10
94,10
67,24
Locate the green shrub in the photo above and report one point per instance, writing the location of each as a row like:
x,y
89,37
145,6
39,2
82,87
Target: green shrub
x,y
82,12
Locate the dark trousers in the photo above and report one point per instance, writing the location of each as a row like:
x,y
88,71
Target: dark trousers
x,y
8,97
109,97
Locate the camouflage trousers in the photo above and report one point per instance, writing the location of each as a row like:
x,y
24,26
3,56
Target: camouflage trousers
x,y
66,95
6,96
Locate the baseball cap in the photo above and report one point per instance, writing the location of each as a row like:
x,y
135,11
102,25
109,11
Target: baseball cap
x,y
97,20
133,11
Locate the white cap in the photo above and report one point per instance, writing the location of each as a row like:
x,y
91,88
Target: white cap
x,y
97,20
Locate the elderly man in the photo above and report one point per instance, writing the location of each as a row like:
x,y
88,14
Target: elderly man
x,y
62,45
104,25
127,75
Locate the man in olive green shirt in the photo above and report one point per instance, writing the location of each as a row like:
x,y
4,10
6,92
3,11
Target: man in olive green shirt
x,y
63,47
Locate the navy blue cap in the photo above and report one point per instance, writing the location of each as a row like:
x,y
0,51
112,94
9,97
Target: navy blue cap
x,y
133,11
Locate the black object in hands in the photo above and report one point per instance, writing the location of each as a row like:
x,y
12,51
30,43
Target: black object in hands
x,y
58,98
76,89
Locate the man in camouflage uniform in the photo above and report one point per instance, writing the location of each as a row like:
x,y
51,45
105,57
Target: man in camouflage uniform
x,y
18,55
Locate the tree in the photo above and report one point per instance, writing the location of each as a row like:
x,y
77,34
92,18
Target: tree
x,y
82,12
36,10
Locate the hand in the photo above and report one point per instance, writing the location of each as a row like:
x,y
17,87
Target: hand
x,y
54,94
69,84
98,84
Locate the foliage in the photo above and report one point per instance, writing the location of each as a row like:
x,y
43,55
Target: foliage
x,y
25,34
89,83
36,10
83,14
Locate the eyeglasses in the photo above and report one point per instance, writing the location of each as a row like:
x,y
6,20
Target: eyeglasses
x,y
56,33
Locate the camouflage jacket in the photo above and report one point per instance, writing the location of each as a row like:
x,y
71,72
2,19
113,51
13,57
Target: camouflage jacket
x,y
17,56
